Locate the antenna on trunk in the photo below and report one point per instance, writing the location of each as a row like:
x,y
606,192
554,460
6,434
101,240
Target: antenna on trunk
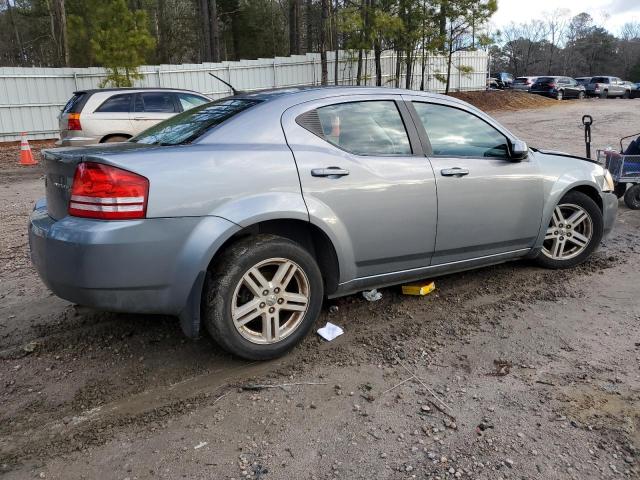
x,y
235,92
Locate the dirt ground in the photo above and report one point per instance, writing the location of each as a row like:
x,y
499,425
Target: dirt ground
x,y
508,372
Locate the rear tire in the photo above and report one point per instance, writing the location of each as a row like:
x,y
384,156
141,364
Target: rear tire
x,y
262,297
604,94
627,94
559,95
580,95
574,232
632,197
115,139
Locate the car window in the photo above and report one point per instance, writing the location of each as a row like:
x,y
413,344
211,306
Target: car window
x,y
188,126
187,100
457,133
74,103
156,102
362,128
599,80
117,103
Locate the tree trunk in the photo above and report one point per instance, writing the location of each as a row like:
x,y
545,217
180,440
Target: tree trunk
x,y
309,21
359,73
295,26
377,53
335,44
398,67
215,30
163,34
409,70
442,22
449,58
63,41
324,79
206,30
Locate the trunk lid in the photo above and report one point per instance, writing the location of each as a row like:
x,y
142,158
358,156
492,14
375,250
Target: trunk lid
x,y
60,167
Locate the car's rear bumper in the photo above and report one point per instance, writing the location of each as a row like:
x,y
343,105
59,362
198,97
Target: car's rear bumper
x,y
609,212
139,266
76,141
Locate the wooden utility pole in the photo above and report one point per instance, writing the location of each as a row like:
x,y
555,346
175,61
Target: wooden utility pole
x,y
215,30
335,43
324,15
206,30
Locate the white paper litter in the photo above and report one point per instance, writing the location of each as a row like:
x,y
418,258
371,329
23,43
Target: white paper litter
x,y
200,445
330,331
372,295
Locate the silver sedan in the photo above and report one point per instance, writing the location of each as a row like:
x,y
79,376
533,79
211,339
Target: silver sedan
x,y
243,214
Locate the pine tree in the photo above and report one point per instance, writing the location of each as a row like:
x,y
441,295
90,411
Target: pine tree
x,y
121,41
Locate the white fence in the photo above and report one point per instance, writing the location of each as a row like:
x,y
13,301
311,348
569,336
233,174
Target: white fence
x,y
31,98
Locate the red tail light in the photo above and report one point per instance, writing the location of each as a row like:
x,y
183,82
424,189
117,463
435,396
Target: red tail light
x,y
73,123
108,193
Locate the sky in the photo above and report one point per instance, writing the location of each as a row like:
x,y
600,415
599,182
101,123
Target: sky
x,y
611,14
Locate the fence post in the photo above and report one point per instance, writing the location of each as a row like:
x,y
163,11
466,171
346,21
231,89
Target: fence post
x,y
75,80
275,76
159,77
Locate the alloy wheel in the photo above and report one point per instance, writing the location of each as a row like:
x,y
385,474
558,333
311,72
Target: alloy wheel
x,y
569,233
270,301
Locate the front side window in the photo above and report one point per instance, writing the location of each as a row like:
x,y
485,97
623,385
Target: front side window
x,y
117,103
362,128
457,133
187,126
156,102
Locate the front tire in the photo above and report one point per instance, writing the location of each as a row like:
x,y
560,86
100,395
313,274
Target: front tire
x,y
262,297
574,233
632,197
580,95
559,95
620,189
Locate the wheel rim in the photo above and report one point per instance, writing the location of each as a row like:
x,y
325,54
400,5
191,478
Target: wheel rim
x,y
569,232
270,301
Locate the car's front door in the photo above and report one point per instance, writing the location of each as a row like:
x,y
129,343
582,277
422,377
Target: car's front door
x,y
366,181
487,203
151,108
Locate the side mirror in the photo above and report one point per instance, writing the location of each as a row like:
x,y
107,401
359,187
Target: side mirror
x,y
519,150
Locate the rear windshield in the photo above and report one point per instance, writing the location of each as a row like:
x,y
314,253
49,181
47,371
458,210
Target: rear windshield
x,y
521,80
546,79
600,80
189,125
74,104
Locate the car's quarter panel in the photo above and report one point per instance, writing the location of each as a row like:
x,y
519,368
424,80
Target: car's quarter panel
x,y
494,208
146,266
383,214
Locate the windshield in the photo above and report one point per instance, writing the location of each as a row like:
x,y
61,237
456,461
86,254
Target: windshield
x,y
189,125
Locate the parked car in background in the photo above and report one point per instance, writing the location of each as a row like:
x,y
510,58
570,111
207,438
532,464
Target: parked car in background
x,y
117,114
558,87
505,80
584,81
523,83
630,85
243,214
604,86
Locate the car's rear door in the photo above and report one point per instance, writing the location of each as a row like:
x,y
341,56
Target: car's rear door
x,y
364,176
487,204
153,107
111,116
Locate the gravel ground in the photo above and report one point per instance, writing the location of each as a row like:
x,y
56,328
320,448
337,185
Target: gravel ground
x,y
504,372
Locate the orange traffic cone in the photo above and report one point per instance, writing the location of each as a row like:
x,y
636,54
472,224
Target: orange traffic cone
x,y
26,157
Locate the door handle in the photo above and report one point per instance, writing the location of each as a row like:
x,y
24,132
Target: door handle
x,y
454,172
335,172
139,118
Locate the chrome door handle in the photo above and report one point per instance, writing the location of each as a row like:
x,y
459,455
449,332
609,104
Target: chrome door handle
x,y
139,118
335,172
454,172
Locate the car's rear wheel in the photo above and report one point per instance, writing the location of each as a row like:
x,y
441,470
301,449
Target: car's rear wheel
x,y
632,197
627,94
262,297
580,95
604,94
574,232
115,139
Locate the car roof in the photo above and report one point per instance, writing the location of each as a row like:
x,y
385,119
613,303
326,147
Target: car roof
x,y
91,91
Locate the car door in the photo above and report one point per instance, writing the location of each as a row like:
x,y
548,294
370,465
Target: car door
x,y
487,203
363,179
619,86
572,88
110,117
152,108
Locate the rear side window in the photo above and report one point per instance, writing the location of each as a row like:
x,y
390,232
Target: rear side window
x,y
361,128
188,126
600,80
456,133
156,102
117,103
188,100
74,105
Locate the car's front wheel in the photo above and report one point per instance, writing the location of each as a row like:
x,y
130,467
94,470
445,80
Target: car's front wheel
x,y
632,197
262,297
580,95
574,233
559,95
